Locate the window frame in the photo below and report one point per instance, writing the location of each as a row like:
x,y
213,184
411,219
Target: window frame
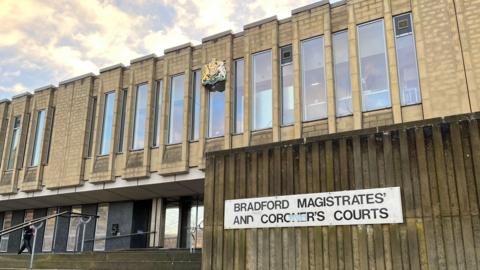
x,y
252,90
16,132
37,144
235,129
157,113
334,75
415,58
92,126
386,64
281,65
132,145
105,95
193,113
171,107
123,118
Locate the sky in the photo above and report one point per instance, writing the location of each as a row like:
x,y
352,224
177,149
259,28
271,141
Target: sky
x,y
44,42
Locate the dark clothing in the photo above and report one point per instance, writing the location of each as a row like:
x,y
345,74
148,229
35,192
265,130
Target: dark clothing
x,y
27,235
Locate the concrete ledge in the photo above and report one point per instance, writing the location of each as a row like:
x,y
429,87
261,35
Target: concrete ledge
x,y
51,86
4,101
260,22
311,6
143,58
339,3
217,36
26,94
176,48
105,69
77,78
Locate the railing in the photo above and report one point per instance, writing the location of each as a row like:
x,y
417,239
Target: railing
x,y
38,223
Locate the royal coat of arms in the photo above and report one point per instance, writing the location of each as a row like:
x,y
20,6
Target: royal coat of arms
x,y
214,75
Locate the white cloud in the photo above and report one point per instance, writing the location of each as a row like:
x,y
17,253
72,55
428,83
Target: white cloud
x,y
13,90
69,38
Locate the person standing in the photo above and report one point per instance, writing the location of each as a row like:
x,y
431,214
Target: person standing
x,y
27,236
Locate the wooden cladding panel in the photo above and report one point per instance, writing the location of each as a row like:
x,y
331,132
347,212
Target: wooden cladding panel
x,y
437,167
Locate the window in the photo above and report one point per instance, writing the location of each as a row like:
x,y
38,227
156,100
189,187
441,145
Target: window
x,y
406,60
37,143
107,125
286,70
50,135
158,113
374,79
49,233
172,216
7,223
72,229
196,90
238,110
140,117
122,120
101,227
176,110
341,66
92,125
262,90
14,143
216,123
195,232
314,94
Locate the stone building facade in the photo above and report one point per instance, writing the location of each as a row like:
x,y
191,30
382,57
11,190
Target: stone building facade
x,y
88,157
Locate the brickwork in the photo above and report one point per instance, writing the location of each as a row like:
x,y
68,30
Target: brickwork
x,y
447,43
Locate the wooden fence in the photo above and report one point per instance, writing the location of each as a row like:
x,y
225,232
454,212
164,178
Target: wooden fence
x,y
436,163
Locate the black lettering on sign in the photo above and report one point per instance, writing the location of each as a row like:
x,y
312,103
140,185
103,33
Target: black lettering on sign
x,y
243,219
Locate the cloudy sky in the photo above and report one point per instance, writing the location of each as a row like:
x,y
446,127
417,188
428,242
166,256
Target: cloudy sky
x,y
43,42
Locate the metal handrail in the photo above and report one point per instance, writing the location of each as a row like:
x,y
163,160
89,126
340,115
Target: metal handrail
x,y
117,236
41,219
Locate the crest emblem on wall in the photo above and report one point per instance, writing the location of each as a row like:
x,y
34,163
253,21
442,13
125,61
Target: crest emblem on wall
x,y
214,75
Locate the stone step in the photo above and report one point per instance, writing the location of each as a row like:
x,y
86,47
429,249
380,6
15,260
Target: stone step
x,y
120,260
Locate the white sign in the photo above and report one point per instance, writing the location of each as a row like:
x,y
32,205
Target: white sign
x,y
366,206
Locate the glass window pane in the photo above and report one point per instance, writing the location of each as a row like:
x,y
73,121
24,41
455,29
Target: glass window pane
x,y
176,109
14,143
49,232
92,125
196,89
343,90
101,227
37,143
216,123
107,123
195,237
140,117
407,66
72,230
314,93
7,223
122,120
373,66
262,90
239,73
171,227
158,113
287,95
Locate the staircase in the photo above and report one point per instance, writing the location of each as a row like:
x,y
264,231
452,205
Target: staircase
x,y
119,260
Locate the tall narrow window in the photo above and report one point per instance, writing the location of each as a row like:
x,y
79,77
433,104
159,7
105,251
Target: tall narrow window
x,y
107,125
341,66
172,216
238,114
286,69
140,117
216,122
122,120
49,232
374,79
37,143
7,223
92,126
72,229
262,90
101,227
14,143
196,89
195,238
176,109
158,113
50,135
406,60
314,94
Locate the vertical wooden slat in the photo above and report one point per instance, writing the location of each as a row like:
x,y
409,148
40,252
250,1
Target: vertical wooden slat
x,y
208,214
228,235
